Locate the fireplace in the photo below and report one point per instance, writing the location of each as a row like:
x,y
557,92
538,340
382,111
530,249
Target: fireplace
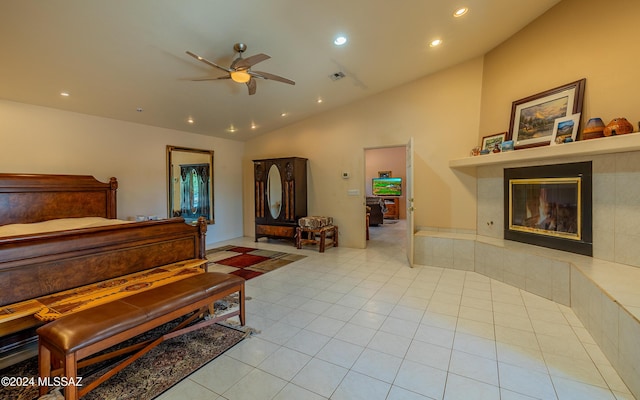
x,y
550,206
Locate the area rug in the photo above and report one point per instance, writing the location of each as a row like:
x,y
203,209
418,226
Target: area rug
x,y
248,262
147,377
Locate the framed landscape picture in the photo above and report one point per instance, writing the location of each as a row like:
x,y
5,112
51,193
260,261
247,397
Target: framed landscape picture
x,y
489,142
564,128
533,118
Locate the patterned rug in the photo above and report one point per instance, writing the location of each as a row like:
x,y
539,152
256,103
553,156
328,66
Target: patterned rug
x,y
147,377
247,262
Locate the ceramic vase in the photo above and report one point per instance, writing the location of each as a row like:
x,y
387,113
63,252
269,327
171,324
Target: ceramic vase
x,y
593,129
618,126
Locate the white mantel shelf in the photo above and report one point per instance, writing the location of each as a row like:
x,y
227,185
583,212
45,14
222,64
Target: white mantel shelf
x,y
605,145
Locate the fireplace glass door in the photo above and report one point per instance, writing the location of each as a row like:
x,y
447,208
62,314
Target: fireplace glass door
x,y
550,206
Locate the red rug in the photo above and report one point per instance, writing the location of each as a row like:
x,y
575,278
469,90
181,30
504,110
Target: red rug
x,y
242,261
247,262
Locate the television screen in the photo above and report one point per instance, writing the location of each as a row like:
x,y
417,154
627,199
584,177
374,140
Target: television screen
x,y
387,187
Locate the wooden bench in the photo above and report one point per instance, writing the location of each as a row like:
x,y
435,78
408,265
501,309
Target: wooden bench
x,y
65,344
308,236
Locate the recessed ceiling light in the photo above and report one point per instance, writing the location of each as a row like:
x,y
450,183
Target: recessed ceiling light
x,y
253,125
139,109
283,114
232,129
460,12
340,40
64,94
435,43
319,101
190,120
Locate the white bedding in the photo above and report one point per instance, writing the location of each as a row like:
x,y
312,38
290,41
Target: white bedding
x,y
55,225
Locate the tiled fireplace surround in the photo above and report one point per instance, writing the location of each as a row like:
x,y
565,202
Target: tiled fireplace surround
x,y
603,291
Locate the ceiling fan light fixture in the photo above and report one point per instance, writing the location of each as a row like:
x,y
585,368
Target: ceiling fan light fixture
x,y
240,69
240,76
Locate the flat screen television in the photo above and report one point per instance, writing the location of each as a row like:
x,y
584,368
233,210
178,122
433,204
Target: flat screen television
x,y
387,187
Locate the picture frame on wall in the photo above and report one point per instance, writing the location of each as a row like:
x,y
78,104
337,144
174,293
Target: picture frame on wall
x,y
564,128
489,142
533,117
384,174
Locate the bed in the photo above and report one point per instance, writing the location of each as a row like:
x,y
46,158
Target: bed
x,y
39,265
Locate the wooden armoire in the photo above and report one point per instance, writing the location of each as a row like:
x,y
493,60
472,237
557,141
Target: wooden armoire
x,y
280,186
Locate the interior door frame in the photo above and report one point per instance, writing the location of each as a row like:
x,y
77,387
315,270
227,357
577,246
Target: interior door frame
x,y
409,205
409,190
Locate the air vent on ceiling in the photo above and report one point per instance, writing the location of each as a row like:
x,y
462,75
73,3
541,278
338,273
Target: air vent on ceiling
x,y
337,76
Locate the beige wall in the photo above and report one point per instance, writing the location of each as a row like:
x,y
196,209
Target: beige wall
x,y
43,140
592,39
392,159
440,111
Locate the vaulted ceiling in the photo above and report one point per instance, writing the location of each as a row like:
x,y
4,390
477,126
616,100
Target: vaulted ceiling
x,y
126,59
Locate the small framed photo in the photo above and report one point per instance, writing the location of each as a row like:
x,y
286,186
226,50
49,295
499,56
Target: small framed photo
x,y
507,145
384,174
489,142
565,128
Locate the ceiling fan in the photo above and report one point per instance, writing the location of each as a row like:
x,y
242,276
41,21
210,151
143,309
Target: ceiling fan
x,y
240,69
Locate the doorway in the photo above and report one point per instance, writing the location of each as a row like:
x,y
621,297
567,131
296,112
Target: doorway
x,y
386,197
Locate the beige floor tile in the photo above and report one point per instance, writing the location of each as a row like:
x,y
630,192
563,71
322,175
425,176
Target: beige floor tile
x,y
421,379
474,367
257,385
463,388
340,353
359,323
320,377
356,386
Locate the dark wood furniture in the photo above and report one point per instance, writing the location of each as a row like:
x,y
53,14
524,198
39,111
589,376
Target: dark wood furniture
x,y
376,214
41,264
393,207
317,236
368,217
280,190
69,342
27,198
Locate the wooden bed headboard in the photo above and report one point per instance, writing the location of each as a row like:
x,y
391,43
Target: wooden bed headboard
x,y
28,198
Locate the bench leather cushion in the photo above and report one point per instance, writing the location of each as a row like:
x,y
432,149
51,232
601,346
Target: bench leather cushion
x,y
93,325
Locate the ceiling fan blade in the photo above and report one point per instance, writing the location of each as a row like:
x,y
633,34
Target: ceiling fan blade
x,y
251,84
250,61
204,60
212,79
266,75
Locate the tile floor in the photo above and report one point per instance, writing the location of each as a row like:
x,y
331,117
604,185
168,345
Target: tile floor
x,y
355,324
